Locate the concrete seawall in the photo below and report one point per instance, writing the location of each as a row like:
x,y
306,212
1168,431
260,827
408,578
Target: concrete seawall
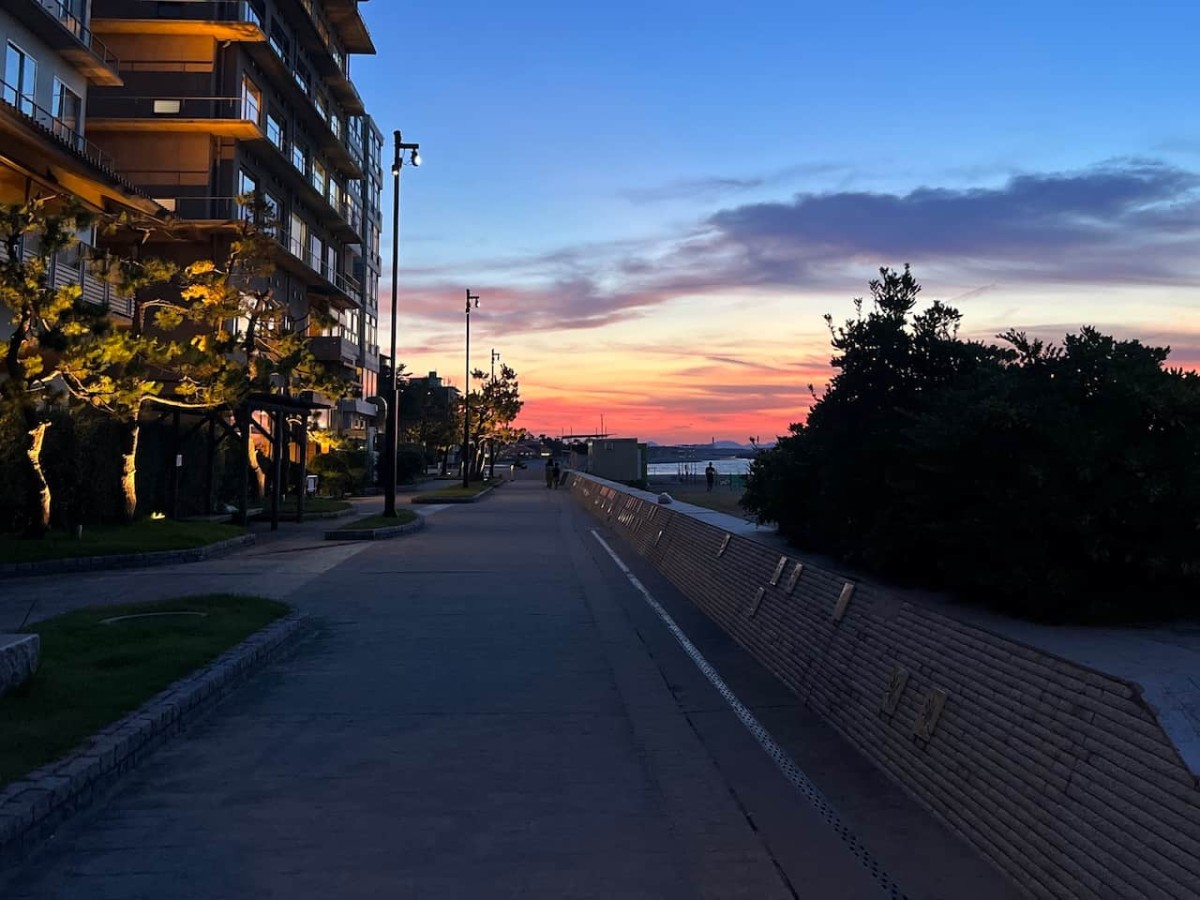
x,y
1060,774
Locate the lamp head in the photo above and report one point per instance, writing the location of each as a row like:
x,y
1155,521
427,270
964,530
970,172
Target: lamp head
x,y
396,168
416,157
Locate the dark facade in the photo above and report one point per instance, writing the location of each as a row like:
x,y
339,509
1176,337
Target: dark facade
x,y
224,99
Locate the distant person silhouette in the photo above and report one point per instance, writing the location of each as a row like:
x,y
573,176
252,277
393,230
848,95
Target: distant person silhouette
x,y
549,473
710,475
556,474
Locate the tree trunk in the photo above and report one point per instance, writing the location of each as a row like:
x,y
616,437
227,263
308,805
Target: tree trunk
x,y
129,471
39,518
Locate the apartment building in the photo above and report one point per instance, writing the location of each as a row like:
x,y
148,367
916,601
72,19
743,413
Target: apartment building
x,y
52,60
215,100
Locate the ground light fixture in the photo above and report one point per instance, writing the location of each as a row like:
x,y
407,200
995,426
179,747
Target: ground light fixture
x,y
392,389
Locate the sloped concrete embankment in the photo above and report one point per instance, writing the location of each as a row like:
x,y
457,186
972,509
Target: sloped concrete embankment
x,y
1059,774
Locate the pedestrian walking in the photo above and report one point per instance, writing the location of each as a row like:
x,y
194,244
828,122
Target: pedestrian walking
x,y
710,475
549,473
556,474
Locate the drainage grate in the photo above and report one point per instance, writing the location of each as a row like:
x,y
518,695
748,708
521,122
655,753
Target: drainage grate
x,y
792,772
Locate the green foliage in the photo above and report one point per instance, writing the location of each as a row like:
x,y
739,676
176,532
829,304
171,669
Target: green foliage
x,y
410,464
1055,482
340,472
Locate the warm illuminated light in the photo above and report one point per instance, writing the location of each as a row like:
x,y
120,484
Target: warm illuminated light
x,y
158,516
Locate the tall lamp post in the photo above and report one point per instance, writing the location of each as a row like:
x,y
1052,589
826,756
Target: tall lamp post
x,y
492,440
393,386
467,396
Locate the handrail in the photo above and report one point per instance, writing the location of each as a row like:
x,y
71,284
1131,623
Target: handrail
x,y
62,132
82,33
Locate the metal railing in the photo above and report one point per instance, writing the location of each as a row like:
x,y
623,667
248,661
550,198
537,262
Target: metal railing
x,y
124,107
206,10
47,122
74,24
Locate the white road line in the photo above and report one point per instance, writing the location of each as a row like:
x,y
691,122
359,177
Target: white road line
x,y
792,772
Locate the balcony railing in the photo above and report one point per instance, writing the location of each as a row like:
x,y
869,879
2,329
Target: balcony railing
x,y
182,10
74,24
45,121
124,107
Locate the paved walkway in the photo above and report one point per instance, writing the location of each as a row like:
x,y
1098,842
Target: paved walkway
x,y
487,709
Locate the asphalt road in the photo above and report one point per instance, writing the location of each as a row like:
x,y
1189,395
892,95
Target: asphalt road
x,y
487,709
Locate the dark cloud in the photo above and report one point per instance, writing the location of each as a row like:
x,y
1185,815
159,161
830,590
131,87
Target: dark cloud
x,y
1123,221
1132,222
716,185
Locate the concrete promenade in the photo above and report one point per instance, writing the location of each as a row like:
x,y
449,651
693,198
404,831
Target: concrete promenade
x,y
487,709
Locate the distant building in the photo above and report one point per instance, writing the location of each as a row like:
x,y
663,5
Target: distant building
x,y
617,459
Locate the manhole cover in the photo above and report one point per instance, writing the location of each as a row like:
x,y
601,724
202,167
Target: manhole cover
x,y
156,615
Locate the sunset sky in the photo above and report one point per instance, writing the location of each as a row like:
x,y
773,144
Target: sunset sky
x,y
657,202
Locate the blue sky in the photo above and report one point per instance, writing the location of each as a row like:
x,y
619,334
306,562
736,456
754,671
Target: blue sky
x,y
680,184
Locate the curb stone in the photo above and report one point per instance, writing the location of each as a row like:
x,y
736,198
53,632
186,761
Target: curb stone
x,y
375,534
433,501
31,809
125,560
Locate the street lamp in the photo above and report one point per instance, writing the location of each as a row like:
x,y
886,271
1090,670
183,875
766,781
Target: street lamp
x,y
467,395
393,386
492,440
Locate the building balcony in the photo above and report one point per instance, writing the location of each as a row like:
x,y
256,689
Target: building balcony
x,y
223,20
335,349
62,30
343,152
31,135
229,117
343,216
341,290
358,407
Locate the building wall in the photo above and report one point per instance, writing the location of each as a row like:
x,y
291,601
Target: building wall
x,y
50,64
1059,774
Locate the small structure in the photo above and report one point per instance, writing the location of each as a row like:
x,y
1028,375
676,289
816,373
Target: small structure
x,y
617,459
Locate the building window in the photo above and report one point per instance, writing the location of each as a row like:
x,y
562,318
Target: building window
x,y
297,235
319,177
315,252
68,111
279,42
271,217
303,80
275,132
299,159
20,78
251,101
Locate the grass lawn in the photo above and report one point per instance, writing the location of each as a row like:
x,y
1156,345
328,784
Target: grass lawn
x,y
106,540
402,517
92,674
457,492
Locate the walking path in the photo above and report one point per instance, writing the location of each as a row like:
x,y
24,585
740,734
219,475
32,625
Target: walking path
x,y
488,709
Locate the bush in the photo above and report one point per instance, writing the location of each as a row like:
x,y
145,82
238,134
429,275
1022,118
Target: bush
x,y
1059,483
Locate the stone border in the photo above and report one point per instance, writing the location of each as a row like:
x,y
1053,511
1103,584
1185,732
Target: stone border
x,y
428,499
32,808
124,560
375,534
290,517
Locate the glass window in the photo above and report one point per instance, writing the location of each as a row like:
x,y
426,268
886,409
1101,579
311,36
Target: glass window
x,y
20,78
67,110
319,178
299,159
275,132
297,236
251,101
